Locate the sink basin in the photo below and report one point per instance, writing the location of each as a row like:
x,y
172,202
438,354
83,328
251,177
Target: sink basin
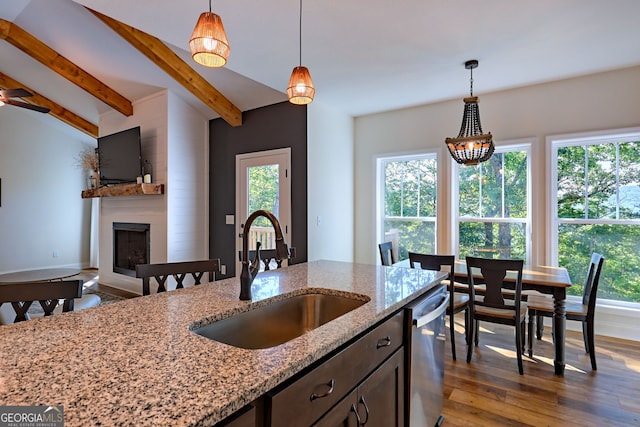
x,y
280,321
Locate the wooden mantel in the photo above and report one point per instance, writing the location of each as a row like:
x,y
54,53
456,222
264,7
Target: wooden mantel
x,y
124,190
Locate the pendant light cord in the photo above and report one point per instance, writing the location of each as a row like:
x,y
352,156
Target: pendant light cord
x,y
209,6
300,33
471,90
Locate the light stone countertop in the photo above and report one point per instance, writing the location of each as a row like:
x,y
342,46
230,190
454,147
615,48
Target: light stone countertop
x,y
137,363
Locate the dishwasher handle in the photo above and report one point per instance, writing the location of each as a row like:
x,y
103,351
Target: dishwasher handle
x,y
437,312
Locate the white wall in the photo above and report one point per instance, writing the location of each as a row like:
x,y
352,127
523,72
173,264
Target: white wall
x,y
330,184
41,208
589,103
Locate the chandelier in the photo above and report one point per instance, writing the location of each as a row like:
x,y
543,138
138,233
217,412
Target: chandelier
x,y
471,146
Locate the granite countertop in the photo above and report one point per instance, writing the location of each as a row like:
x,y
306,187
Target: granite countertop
x,y
136,362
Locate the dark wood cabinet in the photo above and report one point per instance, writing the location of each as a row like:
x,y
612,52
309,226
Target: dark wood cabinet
x,y
377,402
245,417
308,397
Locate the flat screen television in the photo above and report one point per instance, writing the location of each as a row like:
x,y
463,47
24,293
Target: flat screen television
x,y
119,157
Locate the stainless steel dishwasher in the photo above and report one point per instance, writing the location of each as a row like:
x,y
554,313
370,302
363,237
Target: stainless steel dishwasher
x,y
426,358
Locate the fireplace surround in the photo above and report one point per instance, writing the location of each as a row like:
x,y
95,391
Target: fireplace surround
x,y
131,246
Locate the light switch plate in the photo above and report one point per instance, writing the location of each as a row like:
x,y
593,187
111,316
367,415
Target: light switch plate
x,y
230,219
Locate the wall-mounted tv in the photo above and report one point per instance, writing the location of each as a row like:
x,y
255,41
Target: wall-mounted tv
x,y
119,156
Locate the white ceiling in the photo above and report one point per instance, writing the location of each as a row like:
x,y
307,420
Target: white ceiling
x,y
365,56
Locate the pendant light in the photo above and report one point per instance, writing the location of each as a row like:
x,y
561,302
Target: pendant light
x,y
208,44
300,90
471,146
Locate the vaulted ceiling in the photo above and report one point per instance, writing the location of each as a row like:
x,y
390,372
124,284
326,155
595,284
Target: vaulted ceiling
x,y
365,56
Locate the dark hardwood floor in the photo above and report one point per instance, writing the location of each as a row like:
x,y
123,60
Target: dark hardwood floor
x,y
490,392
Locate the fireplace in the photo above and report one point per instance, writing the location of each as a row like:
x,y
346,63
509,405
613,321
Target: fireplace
x,y
130,246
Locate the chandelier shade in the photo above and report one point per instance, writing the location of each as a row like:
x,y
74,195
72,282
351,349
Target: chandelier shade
x,y
208,44
300,90
472,145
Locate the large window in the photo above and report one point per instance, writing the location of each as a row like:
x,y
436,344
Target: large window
x,y
408,203
492,206
596,208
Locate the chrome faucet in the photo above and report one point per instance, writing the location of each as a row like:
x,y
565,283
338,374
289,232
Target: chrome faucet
x,y
250,271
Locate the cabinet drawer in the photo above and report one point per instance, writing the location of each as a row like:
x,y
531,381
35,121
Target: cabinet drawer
x,y
310,396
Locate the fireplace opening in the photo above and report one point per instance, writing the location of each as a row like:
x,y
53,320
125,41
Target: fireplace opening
x,y
130,246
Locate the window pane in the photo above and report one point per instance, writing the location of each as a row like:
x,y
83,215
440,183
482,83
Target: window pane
x,y
491,187
428,187
468,190
492,240
629,191
411,236
410,188
263,183
570,186
515,192
601,182
620,244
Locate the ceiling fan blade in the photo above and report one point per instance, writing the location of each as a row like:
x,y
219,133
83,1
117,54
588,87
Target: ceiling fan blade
x,y
27,105
15,93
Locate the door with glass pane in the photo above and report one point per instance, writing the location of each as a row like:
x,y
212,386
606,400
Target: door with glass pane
x,y
262,182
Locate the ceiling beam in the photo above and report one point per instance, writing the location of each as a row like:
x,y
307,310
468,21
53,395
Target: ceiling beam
x,y
154,49
57,110
61,65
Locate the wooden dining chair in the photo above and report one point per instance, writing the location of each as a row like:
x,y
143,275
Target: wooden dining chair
x,y
457,302
20,296
493,306
178,270
386,253
584,312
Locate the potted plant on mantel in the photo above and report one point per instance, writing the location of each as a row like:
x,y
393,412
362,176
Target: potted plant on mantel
x,y
88,161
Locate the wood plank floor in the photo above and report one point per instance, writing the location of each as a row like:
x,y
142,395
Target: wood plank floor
x,y
490,392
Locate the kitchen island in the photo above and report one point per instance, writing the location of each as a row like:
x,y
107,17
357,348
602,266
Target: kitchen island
x,y
137,362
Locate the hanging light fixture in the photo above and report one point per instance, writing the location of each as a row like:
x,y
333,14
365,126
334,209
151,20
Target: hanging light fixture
x,y
208,44
300,89
471,146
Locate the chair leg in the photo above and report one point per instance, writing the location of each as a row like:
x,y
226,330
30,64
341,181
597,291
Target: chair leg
x,y
453,335
540,328
467,315
471,333
477,332
585,338
532,325
592,344
519,347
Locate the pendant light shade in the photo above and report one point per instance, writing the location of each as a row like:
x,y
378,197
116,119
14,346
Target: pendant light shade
x,y
208,44
472,145
300,90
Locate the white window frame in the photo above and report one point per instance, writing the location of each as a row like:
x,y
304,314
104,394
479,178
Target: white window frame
x,y
524,144
380,186
578,139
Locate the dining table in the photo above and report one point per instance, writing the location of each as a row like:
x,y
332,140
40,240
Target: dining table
x,y
39,275
545,279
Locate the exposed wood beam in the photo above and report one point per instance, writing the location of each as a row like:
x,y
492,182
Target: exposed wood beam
x,y
61,65
57,110
154,49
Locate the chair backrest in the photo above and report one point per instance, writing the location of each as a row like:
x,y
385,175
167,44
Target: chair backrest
x,y
435,263
591,282
492,274
267,256
178,270
386,253
21,296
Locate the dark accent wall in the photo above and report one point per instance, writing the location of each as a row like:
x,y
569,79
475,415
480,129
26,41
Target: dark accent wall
x,y
275,126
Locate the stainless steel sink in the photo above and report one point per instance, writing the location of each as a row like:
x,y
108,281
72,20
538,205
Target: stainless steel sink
x,y
280,321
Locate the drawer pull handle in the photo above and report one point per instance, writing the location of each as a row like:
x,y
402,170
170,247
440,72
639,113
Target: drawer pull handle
x,y
366,411
355,411
320,396
384,342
